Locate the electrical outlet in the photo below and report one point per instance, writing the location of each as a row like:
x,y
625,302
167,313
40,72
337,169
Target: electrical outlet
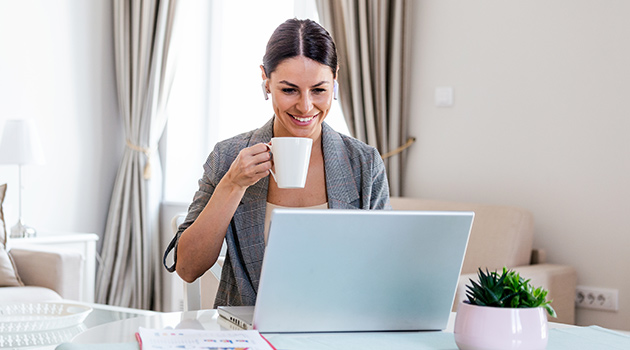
x,y
597,298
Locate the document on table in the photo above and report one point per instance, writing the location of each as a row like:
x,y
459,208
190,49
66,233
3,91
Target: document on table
x,y
165,339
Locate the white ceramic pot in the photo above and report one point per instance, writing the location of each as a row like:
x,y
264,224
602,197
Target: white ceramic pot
x,y
495,328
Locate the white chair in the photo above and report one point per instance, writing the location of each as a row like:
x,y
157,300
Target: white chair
x,y
200,294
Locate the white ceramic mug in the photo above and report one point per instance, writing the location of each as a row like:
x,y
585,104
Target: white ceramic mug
x,y
291,156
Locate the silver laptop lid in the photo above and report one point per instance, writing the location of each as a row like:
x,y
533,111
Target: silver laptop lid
x,y
360,270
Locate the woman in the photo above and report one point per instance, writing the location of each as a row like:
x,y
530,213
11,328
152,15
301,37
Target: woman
x,y
236,195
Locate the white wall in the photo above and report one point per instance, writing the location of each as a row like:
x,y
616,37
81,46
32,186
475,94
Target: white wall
x,y
540,120
56,68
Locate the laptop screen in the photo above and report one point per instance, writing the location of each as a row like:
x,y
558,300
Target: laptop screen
x,y
360,270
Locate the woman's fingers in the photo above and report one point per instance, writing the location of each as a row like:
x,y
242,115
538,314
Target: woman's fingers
x,y
252,157
251,165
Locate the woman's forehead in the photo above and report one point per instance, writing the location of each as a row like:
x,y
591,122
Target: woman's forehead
x,y
303,69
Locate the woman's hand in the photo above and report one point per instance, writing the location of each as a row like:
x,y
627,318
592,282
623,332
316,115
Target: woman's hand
x,y
251,164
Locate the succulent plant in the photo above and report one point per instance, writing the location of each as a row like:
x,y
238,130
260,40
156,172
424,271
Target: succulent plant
x,y
507,290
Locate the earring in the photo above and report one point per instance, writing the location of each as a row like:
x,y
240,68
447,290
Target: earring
x,y
335,90
264,89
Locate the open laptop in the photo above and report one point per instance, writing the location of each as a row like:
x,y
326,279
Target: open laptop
x,y
336,270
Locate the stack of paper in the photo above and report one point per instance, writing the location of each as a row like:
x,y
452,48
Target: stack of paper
x,y
165,339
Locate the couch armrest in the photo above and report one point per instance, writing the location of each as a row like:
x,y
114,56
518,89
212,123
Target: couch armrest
x,y
559,280
60,271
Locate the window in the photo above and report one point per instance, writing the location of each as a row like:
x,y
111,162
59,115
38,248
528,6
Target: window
x,y
216,93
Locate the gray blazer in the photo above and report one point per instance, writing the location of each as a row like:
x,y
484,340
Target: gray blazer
x,y
355,179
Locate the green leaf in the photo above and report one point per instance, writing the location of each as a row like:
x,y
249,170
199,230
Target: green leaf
x,y
507,289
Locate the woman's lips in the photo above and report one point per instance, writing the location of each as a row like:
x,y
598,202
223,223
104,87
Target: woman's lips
x,y
303,119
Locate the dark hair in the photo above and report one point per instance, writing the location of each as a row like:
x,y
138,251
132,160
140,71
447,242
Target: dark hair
x,y
297,37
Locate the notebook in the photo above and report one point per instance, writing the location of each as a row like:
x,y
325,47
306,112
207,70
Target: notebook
x,y
339,270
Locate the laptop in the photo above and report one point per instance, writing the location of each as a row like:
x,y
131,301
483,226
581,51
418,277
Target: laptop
x,y
339,270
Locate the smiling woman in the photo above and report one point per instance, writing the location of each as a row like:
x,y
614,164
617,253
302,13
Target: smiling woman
x,y
236,195
220,55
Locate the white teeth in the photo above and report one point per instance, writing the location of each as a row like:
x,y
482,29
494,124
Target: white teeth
x,y
303,119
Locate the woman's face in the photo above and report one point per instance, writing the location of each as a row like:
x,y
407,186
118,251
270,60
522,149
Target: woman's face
x,y
301,93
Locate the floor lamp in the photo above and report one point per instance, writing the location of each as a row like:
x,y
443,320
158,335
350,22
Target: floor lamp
x,y
20,145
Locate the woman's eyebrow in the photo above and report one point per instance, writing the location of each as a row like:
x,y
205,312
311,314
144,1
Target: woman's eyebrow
x,y
295,86
320,83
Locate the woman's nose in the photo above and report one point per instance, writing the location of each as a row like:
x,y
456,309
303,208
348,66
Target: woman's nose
x,y
305,104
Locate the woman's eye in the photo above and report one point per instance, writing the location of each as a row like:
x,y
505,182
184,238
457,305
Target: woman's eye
x,y
288,90
319,91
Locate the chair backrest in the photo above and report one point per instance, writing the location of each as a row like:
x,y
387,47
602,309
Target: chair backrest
x,y
200,294
500,235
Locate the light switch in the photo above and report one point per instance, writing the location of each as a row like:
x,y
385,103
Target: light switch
x,y
444,96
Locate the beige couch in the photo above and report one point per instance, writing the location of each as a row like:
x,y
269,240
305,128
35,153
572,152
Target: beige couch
x,y
45,275
502,236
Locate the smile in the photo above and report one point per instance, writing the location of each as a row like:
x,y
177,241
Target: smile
x,y
303,119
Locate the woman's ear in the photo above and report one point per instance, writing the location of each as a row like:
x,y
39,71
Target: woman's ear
x,y
265,89
263,73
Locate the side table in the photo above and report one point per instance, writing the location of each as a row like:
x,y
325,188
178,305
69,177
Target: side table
x,y
83,243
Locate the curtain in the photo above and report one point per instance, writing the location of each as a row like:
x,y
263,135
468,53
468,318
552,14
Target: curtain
x,y
370,36
129,272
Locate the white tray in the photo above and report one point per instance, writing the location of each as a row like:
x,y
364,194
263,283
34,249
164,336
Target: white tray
x,y
39,338
44,316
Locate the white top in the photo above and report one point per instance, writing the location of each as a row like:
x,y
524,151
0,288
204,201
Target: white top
x,y
271,207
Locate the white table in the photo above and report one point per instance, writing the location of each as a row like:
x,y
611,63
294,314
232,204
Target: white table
x,y
124,331
561,336
83,243
49,339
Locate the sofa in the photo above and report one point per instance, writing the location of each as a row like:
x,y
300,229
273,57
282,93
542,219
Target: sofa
x,y
34,275
502,236
30,275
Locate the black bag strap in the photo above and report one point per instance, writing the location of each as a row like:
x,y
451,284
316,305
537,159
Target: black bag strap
x,y
170,248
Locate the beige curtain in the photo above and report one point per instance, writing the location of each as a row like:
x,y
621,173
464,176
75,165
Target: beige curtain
x,y
370,36
129,273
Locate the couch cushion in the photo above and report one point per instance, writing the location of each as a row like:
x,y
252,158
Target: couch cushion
x,y
8,273
8,276
501,235
27,294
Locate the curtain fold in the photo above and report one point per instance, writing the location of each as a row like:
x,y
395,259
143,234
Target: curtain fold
x,y
130,271
370,36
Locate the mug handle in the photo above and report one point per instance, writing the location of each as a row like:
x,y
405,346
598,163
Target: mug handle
x,y
271,171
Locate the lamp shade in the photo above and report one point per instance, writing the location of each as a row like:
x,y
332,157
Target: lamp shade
x,y
20,143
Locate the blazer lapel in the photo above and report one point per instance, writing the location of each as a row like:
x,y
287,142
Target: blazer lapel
x,y
341,185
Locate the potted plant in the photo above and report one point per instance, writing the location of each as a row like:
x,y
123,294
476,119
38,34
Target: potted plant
x,y
503,311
